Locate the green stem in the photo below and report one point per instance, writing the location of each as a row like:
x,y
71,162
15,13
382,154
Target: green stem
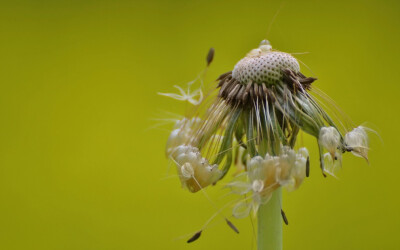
x,y
270,223
269,214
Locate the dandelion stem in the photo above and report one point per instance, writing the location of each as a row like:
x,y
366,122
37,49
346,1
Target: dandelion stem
x,y
270,223
269,215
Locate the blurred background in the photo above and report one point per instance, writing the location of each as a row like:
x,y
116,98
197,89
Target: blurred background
x,y
82,162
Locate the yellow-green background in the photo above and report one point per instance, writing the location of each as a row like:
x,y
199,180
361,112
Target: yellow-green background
x,y
81,168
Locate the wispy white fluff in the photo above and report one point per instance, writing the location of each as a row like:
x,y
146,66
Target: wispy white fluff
x,y
194,97
357,140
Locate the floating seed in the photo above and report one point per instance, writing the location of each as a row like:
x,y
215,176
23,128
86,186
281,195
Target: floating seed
x,y
284,217
230,224
210,56
194,237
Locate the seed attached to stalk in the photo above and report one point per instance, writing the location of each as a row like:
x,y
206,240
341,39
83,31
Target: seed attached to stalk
x,y
210,56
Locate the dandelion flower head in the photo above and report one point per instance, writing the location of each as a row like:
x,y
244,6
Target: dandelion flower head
x,y
251,121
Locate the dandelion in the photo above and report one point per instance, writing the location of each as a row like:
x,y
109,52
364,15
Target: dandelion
x,y
252,121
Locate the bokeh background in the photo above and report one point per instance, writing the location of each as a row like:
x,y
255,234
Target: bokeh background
x,y
82,162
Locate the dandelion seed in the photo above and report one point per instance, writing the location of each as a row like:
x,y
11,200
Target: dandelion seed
x,y
284,217
181,134
230,224
357,142
194,237
210,56
194,97
329,138
332,165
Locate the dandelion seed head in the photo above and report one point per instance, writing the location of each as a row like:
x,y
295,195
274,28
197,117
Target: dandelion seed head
x,y
251,121
262,65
